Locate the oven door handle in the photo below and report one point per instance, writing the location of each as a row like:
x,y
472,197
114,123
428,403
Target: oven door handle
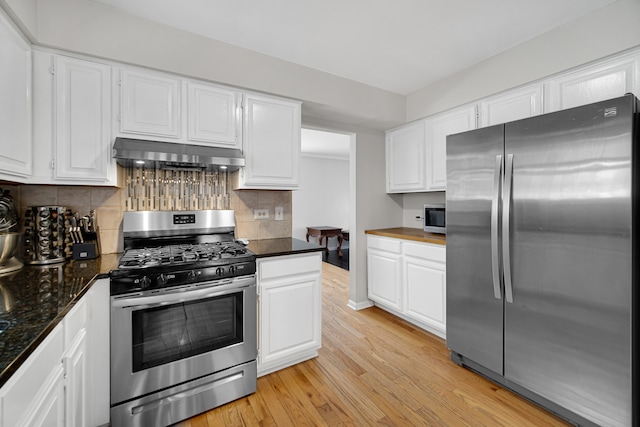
x,y
220,288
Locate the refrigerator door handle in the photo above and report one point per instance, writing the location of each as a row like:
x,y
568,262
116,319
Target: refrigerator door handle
x,y
495,243
506,230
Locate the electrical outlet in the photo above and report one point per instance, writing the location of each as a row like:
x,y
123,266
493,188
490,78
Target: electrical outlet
x,y
279,215
260,213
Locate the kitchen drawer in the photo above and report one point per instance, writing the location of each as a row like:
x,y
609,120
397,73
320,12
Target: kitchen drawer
x,y
425,251
384,244
289,265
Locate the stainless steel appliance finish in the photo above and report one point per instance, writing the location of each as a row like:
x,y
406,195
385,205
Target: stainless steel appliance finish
x,y
166,155
434,219
148,224
540,247
183,317
46,234
188,301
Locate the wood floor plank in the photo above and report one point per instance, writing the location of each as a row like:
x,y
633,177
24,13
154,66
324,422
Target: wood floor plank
x,y
374,369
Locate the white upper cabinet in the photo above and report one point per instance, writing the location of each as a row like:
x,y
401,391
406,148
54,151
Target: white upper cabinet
x,y
513,105
438,127
170,108
212,114
406,159
15,105
604,80
149,103
72,121
271,129
82,111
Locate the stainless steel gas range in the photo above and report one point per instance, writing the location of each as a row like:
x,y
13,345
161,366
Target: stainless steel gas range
x,y
183,317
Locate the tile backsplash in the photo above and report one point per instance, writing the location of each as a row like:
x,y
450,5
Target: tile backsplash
x,y
175,189
110,203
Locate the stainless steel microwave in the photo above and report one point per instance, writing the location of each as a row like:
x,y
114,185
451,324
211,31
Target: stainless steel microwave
x,y
434,218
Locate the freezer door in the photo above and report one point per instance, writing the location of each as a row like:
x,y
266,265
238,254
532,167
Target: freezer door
x,y
568,330
474,300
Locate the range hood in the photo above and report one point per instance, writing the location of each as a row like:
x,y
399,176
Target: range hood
x,y
167,155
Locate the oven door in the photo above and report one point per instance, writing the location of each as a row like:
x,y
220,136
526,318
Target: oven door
x,y
161,340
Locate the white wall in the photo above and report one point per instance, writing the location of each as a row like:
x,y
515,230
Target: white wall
x,y
601,33
413,203
323,196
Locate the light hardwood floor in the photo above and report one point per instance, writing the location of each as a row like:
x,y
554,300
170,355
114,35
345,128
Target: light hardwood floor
x,y
374,368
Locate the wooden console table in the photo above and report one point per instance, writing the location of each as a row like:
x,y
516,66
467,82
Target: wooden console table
x,y
325,232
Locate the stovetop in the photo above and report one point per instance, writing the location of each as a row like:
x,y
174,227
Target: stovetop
x,y
180,255
161,268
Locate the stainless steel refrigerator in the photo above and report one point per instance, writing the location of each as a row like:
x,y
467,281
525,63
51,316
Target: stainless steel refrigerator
x,y
542,256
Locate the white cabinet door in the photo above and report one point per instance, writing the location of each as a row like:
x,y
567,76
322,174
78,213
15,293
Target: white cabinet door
x,y
405,158
82,124
76,381
438,127
149,104
425,285
605,80
290,305
384,271
15,103
271,129
212,113
98,366
49,409
513,105
74,361
34,395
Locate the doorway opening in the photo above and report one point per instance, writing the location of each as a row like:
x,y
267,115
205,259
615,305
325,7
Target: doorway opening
x,y
325,192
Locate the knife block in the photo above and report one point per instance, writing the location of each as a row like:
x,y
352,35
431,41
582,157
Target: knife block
x,y
90,249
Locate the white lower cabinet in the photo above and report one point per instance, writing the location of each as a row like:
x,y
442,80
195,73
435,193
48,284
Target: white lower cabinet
x,y
56,385
384,270
289,310
75,368
407,278
98,356
423,268
34,395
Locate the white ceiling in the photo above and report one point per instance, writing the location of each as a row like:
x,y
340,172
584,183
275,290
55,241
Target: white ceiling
x,y
397,45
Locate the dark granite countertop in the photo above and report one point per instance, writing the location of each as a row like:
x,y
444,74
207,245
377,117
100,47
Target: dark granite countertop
x,y
285,246
36,298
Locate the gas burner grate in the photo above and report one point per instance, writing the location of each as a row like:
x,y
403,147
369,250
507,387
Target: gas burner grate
x,y
181,254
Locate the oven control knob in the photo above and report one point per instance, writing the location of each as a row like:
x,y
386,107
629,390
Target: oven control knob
x,y
145,282
191,275
232,269
219,271
161,280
